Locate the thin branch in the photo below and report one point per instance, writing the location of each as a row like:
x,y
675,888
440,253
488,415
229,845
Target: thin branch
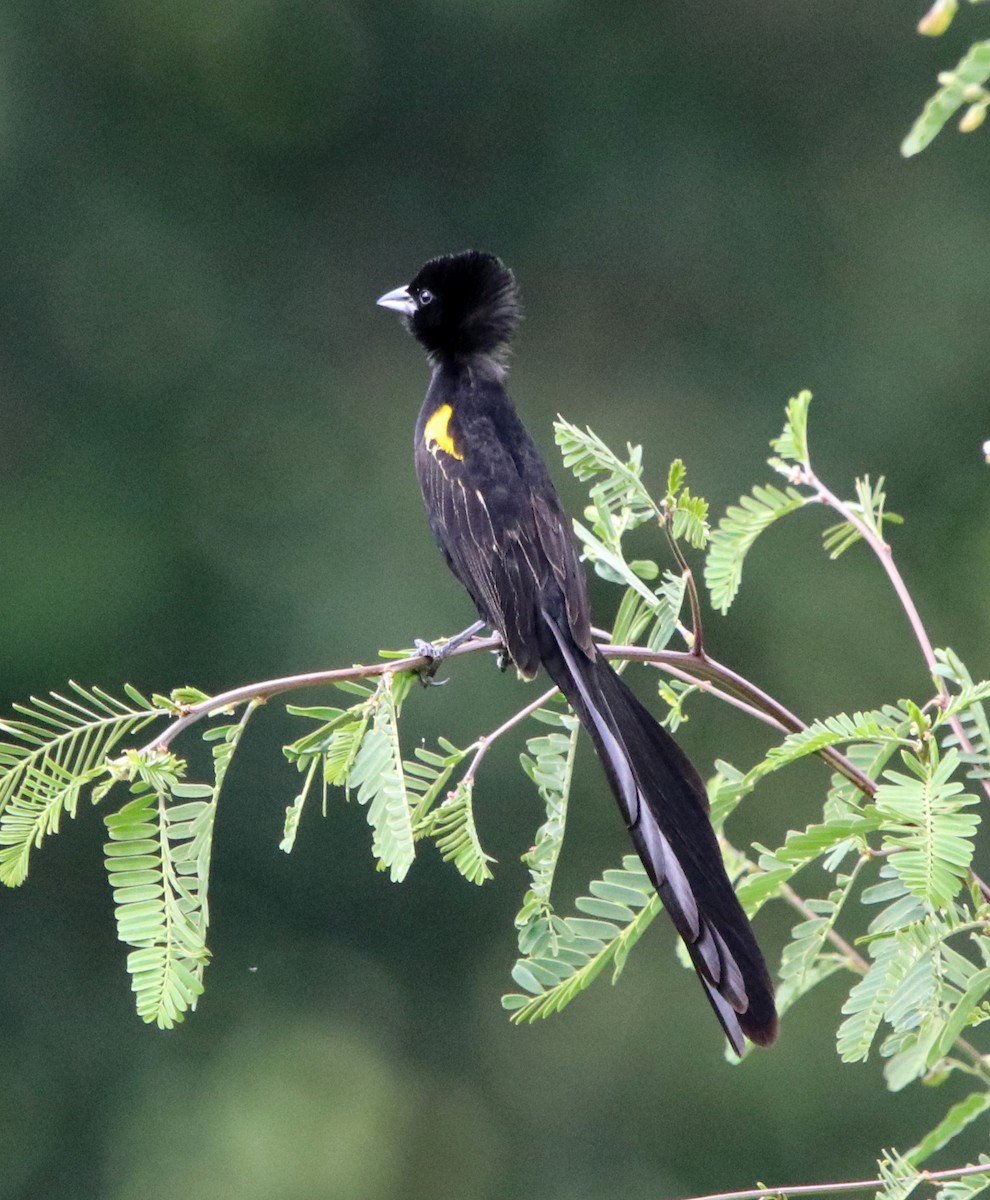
x,y
860,1185
708,668
750,698
691,665
709,688
484,742
852,956
287,683
883,552
697,630
886,559
684,664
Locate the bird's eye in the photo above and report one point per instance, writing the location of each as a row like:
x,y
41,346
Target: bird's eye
x,y
425,297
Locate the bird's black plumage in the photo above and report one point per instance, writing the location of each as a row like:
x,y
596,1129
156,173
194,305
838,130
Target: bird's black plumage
x,y
496,516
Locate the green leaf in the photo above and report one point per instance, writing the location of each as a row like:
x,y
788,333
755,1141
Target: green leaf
x,y
924,825
620,489
962,1013
319,713
633,616
736,533
811,974
903,911
157,910
800,848
889,725
964,1113
294,811
644,568
972,71
426,774
381,786
673,693
61,745
604,910
358,748
355,687
549,763
336,741
158,865
867,1002
869,758
676,477
609,563
667,610
908,1051
333,746
916,993
725,790
570,956
966,1188
805,961
966,705
869,507
792,444
180,698
690,520
456,837
899,1177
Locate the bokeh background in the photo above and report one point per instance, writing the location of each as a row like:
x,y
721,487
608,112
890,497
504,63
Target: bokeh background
x,y
205,478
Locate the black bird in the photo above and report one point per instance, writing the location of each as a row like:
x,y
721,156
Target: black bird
x,y
499,522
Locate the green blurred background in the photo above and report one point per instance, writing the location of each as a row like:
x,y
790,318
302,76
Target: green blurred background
x,y
205,478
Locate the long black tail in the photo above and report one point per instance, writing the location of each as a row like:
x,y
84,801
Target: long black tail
x,y
665,806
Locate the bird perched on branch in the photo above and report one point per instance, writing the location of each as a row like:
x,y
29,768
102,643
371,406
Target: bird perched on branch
x,y
498,520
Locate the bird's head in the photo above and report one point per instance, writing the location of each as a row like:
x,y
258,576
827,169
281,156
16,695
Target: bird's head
x,y
460,305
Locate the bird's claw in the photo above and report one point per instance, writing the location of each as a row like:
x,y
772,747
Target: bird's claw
x,y
428,649
434,655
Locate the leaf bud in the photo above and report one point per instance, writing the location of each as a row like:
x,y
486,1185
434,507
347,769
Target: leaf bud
x,y
973,117
938,18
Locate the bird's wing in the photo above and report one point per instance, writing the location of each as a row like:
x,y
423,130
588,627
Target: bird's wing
x,y
557,542
480,513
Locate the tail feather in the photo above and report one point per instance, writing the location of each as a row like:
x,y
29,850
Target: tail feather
x,y
665,806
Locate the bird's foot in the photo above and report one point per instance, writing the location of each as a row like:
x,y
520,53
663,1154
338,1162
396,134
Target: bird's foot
x,y
435,654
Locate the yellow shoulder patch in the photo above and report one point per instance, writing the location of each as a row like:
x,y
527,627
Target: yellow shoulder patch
x,y
436,434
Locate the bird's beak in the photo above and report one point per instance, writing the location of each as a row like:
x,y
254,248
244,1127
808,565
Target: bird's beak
x,y
400,299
